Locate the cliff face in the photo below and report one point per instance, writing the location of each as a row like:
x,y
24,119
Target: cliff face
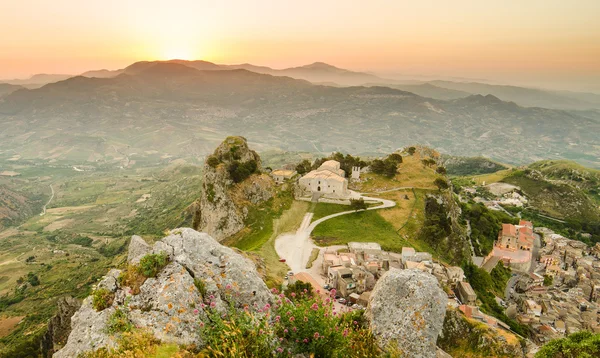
x,y
461,337
59,326
170,304
232,181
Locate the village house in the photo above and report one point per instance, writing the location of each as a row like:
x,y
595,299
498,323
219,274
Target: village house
x,y
516,237
281,175
328,179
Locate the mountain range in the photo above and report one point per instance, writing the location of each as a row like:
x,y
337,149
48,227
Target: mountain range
x,y
322,73
158,110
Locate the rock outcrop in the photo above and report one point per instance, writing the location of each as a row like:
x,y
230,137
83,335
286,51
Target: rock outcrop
x,y
171,305
59,326
227,193
463,337
407,309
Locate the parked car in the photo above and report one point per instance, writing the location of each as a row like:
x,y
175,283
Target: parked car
x,y
281,260
327,287
342,300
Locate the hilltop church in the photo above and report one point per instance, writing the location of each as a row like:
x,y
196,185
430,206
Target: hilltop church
x,y
328,179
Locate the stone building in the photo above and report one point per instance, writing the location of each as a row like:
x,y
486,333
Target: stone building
x,y
328,179
465,293
281,175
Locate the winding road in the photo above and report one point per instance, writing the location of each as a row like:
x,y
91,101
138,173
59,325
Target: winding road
x,y
48,203
296,248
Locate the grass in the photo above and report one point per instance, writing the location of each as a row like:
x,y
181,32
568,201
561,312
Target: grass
x,y
366,226
491,178
313,256
325,209
411,173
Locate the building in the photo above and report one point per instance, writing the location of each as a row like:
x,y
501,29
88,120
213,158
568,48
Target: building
x,y
328,179
281,175
516,237
465,293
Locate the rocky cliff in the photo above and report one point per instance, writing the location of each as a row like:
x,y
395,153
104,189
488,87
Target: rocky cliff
x,y
231,182
406,307
171,305
59,326
462,337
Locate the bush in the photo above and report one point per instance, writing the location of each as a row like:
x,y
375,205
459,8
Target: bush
x,y
102,298
151,264
298,290
441,183
358,204
303,167
580,344
33,279
132,278
240,171
213,161
118,323
82,241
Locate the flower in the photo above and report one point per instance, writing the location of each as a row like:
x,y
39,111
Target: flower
x,y
294,329
345,333
212,297
277,318
285,330
213,304
292,319
228,287
293,294
355,322
316,335
201,324
305,340
315,306
196,311
279,350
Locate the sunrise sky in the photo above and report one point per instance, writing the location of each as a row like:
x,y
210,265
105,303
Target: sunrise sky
x,y
554,43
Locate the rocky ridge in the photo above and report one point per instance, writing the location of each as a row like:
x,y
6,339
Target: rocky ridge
x,y
406,307
223,205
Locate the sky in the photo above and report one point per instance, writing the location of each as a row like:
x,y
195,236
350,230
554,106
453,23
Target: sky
x,y
550,43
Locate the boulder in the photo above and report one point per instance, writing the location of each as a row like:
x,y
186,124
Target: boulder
x,y
137,249
407,309
170,305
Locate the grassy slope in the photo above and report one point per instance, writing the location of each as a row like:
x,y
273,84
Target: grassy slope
x,y
102,205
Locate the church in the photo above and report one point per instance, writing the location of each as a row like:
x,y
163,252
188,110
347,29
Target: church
x,y
328,179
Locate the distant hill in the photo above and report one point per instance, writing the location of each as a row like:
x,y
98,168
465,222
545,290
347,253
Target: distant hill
x,y
529,97
167,109
6,88
463,166
38,80
426,90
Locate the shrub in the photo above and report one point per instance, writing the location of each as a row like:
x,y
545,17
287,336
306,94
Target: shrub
x,y
212,161
580,344
201,286
102,298
441,183
151,264
298,290
132,278
33,279
358,204
118,323
240,171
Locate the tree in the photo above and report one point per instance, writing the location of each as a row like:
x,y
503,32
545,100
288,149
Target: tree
x,y
548,280
441,183
358,204
411,150
580,344
303,167
395,157
33,279
212,161
440,170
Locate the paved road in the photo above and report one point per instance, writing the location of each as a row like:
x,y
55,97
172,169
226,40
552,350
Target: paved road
x,y
49,200
296,248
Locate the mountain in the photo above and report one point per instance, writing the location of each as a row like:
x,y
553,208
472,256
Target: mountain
x,y
426,90
38,80
317,72
157,110
529,97
6,88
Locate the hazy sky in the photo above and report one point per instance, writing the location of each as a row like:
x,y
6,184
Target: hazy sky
x,y
544,42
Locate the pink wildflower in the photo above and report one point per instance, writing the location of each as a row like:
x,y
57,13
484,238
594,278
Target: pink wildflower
x,y
213,304
316,335
196,311
292,319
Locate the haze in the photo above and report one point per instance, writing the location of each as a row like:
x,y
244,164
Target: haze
x,y
545,43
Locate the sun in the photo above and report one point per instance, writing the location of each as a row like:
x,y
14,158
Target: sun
x,y
177,53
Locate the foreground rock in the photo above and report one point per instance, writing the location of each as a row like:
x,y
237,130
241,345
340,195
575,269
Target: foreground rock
x,y
59,326
407,309
171,305
225,200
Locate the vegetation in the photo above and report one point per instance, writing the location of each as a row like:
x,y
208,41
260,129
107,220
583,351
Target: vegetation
x,y
358,204
132,278
582,344
303,167
388,166
441,183
485,225
201,286
347,162
118,323
548,280
299,290
486,289
313,256
102,299
364,226
212,161
241,170
151,264
464,166
325,209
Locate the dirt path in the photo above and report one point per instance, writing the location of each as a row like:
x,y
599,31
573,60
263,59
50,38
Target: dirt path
x,y
49,200
296,248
